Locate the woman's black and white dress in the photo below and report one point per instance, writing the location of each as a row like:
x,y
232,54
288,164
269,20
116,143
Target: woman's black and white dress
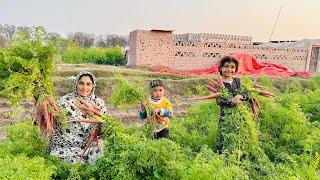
x,y
68,142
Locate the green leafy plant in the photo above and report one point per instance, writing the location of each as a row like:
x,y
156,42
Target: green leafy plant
x,y
26,71
22,167
24,138
97,55
126,93
202,91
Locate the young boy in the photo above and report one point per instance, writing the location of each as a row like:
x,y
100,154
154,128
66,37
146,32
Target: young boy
x,y
160,109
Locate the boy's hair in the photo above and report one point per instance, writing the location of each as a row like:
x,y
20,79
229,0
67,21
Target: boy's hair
x,y
228,59
155,83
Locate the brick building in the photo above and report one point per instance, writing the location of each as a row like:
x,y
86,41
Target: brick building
x,y
162,48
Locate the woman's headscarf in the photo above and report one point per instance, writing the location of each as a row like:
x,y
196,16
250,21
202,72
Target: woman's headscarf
x,y
85,73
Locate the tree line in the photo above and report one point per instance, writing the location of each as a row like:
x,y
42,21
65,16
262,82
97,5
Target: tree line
x,y
81,39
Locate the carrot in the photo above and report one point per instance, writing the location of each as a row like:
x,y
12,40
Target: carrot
x,y
255,106
52,103
211,96
46,115
45,119
88,107
265,93
210,80
93,137
92,111
220,81
210,88
159,118
257,86
40,121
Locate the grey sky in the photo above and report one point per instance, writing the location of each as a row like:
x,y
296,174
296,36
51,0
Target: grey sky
x,y
298,19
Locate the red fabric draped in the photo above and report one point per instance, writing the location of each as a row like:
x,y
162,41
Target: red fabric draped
x,y
247,66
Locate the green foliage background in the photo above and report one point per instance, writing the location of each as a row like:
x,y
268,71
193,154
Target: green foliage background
x,y
97,55
281,143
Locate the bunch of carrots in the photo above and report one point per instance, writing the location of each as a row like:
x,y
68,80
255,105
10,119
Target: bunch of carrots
x,y
47,114
96,117
153,120
218,90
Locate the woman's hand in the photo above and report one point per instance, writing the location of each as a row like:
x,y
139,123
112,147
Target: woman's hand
x,y
236,100
88,107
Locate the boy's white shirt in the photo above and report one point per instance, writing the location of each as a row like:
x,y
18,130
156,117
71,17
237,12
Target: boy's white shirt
x,y
158,102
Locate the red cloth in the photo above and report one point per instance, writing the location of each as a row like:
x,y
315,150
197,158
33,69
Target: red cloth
x,y
248,65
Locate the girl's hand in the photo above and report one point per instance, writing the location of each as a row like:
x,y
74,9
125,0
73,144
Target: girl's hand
x,y
236,100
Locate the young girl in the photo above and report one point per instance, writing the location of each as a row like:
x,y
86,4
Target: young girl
x,y
227,69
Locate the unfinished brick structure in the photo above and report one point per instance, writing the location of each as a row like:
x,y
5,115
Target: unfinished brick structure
x,y
200,51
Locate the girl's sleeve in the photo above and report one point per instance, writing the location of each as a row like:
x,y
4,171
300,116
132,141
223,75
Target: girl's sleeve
x,y
245,94
224,103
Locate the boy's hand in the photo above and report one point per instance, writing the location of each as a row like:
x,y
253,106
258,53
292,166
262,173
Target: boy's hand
x,y
156,111
143,105
160,119
237,99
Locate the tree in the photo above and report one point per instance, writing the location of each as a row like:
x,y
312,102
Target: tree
x,y
3,41
8,30
82,39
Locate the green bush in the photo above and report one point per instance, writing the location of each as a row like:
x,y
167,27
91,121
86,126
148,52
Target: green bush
x,y
199,128
201,90
26,65
281,143
110,56
126,93
22,167
314,83
207,165
23,138
130,155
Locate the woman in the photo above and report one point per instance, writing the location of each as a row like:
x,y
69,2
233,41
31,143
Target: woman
x,y
71,142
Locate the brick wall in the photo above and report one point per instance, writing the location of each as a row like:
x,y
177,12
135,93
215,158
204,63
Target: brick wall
x,y
200,51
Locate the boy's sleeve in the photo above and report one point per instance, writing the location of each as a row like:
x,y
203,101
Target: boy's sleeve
x,y
143,114
167,111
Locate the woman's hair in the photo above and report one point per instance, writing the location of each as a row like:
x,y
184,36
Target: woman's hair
x,y
228,59
89,75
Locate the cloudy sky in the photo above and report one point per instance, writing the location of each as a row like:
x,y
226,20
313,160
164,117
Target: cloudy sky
x,y
298,19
